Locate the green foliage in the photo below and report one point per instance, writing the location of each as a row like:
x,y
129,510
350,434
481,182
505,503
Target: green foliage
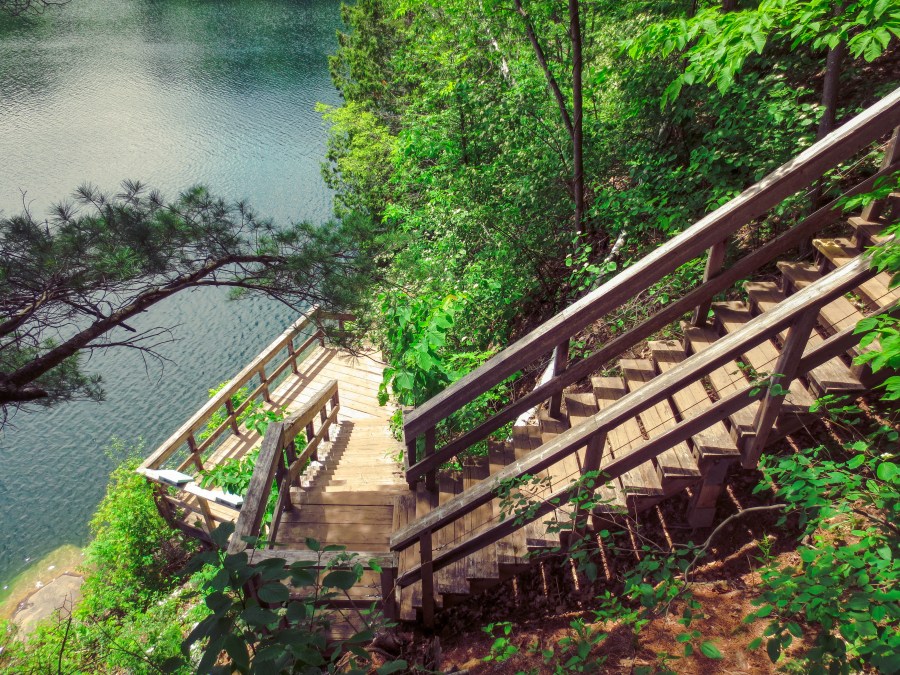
x,y
272,630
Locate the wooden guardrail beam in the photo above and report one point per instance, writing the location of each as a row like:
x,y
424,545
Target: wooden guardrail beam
x,y
796,174
741,269
725,349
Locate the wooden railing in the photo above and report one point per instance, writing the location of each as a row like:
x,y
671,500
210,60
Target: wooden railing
x,y
279,463
708,236
798,314
265,369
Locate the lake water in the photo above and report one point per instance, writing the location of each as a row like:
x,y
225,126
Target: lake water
x,y
173,93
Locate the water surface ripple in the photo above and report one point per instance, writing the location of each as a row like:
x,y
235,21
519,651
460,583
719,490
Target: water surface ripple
x,y
173,93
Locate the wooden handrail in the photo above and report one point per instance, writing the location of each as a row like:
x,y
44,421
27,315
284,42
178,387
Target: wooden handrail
x,y
761,327
796,174
277,442
261,365
741,269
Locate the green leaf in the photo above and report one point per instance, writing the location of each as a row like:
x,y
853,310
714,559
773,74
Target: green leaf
x,y
257,616
274,593
342,579
710,651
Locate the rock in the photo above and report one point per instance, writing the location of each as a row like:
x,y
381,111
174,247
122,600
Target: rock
x,y
60,594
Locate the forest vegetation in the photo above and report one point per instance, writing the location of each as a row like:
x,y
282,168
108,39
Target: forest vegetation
x,y
492,161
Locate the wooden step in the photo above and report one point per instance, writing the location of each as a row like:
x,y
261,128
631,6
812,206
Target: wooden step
x,y
512,550
482,567
450,581
611,497
714,442
677,466
839,314
832,377
526,439
866,233
725,380
876,291
763,358
641,485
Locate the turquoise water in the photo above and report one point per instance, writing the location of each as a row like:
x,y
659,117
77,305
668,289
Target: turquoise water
x,y
173,93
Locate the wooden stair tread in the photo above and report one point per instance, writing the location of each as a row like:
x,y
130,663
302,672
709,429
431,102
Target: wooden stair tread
x,y
763,358
876,290
568,468
866,232
451,580
482,565
512,549
833,376
527,438
690,401
643,480
677,462
580,407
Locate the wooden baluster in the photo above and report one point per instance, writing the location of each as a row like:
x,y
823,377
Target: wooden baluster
x,y
283,478
785,372
324,416
389,592
431,476
560,360
293,356
321,334
265,385
310,433
427,579
892,154
207,514
410,458
195,455
594,452
714,260
232,418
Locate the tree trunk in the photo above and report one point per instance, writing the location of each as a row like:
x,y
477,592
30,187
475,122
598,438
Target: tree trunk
x,y
577,116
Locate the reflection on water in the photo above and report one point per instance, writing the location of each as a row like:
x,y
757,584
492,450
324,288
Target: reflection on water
x,y
171,92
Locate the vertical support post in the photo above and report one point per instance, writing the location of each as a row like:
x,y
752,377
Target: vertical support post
x,y
162,504
874,210
321,334
560,360
389,592
292,355
594,452
195,454
310,432
265,385
702,508
784,374
427,579
714,260
283,476
207,514
431,476
322,417
232,418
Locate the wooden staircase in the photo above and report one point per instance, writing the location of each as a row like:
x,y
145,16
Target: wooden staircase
x,y
655,417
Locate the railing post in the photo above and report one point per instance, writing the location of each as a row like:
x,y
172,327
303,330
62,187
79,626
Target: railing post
x,y
594,453
229,407
874,210
195,454
785,372
431,476
293,356
427,579
310,433
322,417
714,261
265,384
389,592
560,361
